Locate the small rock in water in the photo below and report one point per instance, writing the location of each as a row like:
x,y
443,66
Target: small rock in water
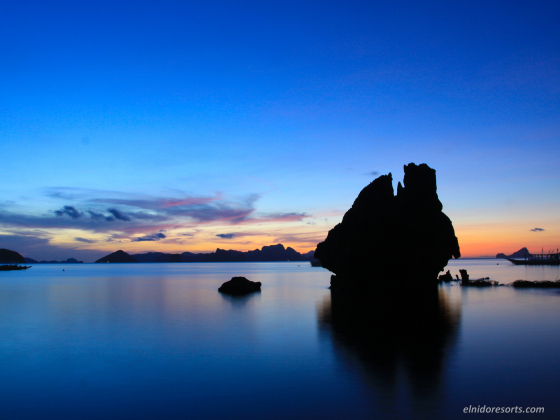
x,y
544,284
447,277
240,286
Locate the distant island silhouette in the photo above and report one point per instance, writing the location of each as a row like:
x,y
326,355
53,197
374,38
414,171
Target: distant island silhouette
x,y
269,253
7,256
68,261
117,257
517,254
386,239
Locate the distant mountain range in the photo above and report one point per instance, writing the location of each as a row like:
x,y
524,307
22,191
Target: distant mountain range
x,y
266,253
68,261
518,254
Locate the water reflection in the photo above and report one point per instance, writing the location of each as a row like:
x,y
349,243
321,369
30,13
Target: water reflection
x,y
239,301
398,345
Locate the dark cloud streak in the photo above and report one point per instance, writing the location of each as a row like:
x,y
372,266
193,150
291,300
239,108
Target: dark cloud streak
x,y
119,215
226,235
154,237
87,241
70,211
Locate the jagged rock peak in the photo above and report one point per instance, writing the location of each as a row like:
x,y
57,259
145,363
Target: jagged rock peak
x,y
385,237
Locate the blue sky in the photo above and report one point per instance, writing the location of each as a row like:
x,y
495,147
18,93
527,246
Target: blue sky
x,y
266,120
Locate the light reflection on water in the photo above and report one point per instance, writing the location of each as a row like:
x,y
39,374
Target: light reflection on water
x,y
159,341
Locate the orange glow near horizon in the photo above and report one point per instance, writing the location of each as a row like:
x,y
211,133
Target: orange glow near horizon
x,y
475,240
490,239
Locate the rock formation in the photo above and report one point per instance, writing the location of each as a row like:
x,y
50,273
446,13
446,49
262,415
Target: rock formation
x,y
240,286
389,239
447,277
117,257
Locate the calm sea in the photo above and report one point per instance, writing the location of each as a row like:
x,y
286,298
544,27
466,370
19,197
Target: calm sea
x,y
157,341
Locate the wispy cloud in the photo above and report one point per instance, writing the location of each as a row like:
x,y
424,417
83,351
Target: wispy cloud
x,y
304,239
38,246
537,230
196,209
226,235
154,237
125,217
87,241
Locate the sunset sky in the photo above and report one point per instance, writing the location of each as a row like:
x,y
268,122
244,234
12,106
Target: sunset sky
x,y
186,126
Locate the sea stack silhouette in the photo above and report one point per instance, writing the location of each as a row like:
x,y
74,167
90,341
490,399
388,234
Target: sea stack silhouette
x,y
391,240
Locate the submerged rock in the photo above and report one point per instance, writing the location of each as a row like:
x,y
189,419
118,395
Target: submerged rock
x,y
485,282
387,239
240,286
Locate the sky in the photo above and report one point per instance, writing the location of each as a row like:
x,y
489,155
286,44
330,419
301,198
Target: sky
x,y
178,126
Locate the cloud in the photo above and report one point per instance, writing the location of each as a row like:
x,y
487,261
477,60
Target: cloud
x,y
277,217
240,234
23,243
87,241
372,173
96,216
226,235
285,217
119,215
308,238
124,215
97,222
70,211
154,237
202,209
233,212
154,203
537,230
38,247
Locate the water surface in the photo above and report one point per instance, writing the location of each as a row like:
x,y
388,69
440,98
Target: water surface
x,y
158,341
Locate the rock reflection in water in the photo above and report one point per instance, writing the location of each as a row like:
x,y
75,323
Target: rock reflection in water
x,y
399,344
239,301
